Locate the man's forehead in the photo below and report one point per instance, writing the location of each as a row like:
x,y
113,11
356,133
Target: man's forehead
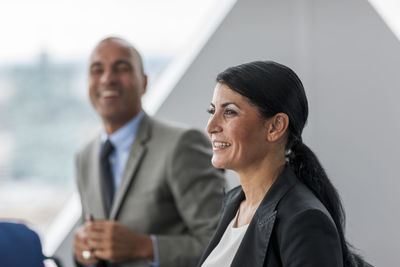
x,y
115,50
109,51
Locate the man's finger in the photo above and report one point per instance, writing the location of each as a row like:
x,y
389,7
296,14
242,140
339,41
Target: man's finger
x,y
97,236
99,244
89,218
99,225
105,254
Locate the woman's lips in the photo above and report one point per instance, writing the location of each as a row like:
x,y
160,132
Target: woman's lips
x,y
219,145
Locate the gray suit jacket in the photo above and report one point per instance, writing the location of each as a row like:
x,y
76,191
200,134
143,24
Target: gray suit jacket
x,y
169,189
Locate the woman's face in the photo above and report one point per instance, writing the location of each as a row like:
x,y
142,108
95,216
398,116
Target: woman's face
x,y
236,129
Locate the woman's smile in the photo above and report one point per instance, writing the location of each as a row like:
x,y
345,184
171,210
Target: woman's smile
x,y
220,145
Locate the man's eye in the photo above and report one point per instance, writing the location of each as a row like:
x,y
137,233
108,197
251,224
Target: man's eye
x,y
211,111
123,68
96,71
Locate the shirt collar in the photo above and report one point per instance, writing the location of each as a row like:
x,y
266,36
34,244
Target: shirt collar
x,y
123,138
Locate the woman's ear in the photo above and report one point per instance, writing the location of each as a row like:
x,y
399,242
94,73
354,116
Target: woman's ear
x,y
277,126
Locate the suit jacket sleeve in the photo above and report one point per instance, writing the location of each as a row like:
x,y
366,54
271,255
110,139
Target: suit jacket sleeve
x,y
197,189
311,239
81,219
79,187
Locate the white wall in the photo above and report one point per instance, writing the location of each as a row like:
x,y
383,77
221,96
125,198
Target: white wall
x,y
349,62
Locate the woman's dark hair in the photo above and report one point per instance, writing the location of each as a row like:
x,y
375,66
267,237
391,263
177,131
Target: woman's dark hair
x,y
274,88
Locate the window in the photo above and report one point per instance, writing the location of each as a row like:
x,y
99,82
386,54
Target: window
x,y
45,115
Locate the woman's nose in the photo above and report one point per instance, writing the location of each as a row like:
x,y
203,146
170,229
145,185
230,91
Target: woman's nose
x,y
213,125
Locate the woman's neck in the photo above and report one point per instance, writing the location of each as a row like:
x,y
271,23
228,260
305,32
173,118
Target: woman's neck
x,y
257,180
255,183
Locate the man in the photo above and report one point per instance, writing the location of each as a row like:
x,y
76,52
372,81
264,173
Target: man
x,y
149,193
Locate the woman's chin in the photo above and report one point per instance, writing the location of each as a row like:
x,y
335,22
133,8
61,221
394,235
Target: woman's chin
x,y
218,164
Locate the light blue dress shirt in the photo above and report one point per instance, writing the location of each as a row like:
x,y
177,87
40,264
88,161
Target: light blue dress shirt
x,y
122,141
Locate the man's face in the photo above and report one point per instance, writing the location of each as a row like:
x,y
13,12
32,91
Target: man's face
x,y
116,82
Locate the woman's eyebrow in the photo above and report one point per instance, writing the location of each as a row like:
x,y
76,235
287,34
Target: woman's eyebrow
x,y
229,103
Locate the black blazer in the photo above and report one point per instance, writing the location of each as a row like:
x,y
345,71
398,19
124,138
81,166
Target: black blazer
x,y
290,228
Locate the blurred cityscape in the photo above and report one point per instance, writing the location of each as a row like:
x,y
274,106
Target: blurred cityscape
x,y
45,117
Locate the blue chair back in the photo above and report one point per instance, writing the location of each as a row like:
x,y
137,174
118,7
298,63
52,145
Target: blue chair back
x,y
19,246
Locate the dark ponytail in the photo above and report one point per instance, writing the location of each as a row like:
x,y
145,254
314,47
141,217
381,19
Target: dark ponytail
x,y
308,169
274,88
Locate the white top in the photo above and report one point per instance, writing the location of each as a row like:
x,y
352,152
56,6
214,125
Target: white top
x,y
223,253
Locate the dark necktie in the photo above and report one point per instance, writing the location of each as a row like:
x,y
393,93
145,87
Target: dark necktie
x,y
107,181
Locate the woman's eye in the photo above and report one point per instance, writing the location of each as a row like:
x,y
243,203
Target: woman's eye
x,y
230,112
211,111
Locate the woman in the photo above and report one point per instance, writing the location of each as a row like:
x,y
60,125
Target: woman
x,y
286,211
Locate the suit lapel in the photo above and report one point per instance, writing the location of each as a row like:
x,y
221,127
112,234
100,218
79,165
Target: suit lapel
x,y
138,151
227,215
95,191
253,248
255,243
